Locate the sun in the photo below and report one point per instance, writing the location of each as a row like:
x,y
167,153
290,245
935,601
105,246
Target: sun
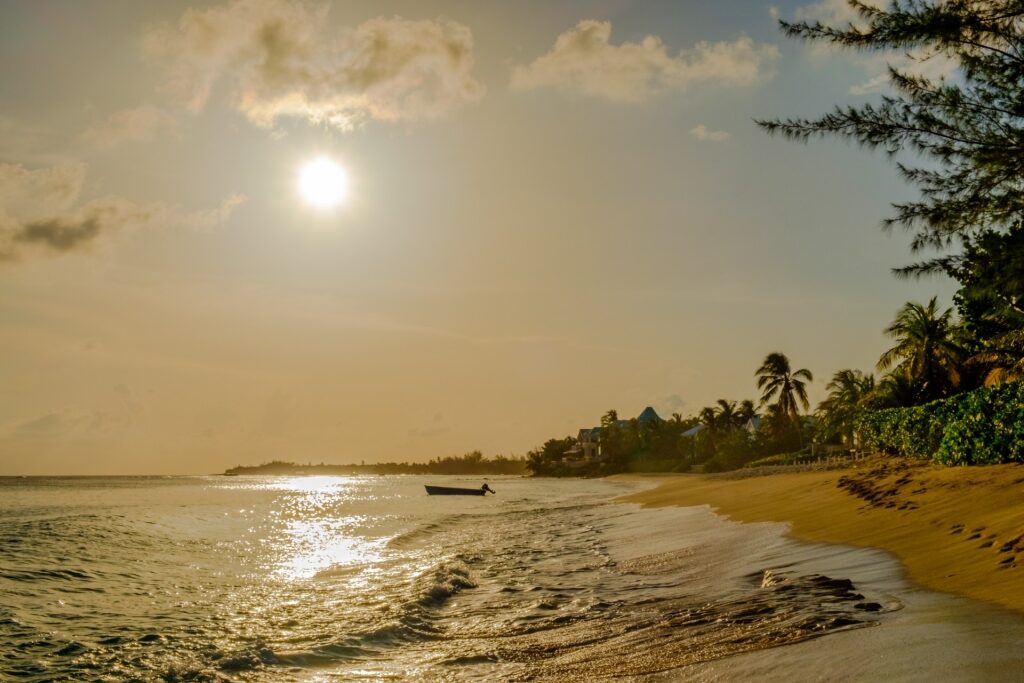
x,y
323,183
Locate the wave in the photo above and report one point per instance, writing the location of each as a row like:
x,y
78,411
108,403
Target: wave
x,y
413,537
48,574
416,620
443,582
779,608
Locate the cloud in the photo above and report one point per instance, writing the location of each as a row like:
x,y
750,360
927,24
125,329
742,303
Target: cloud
x,y
834,12
672,404
277,60
60,423
40,210
69,232
50,424
209,218
584,62
130,125
702,132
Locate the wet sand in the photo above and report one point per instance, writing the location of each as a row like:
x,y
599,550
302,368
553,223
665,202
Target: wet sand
x,y
958,530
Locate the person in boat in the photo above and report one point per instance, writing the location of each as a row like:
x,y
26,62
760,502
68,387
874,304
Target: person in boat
x,y
487,489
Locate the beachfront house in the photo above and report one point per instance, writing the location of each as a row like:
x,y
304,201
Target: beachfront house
x,y
588,441
753,424
693,431
649,416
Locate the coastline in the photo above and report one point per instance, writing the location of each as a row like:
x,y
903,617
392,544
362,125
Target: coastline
x,y
954,529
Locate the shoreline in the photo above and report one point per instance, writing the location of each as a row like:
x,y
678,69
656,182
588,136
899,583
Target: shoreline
x,y
953,529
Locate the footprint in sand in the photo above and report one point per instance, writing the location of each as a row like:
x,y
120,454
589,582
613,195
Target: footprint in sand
x,y
956,529
1010,545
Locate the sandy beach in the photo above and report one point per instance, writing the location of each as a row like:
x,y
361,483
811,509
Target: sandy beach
x,y
959,530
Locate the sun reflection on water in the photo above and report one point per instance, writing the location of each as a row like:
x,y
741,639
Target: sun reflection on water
x,y
315,534
316,546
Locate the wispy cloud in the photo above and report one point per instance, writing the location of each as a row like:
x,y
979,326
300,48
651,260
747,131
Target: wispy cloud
x,y
49,424
58,424
834,12
672,403
277,60
702,132
839,13
138,124
584,62
41,211
205,219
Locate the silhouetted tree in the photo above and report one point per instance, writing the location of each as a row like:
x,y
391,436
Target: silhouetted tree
x,y
926,349
788,388
847,394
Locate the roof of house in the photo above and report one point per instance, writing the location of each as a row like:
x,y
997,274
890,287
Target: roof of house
x,y
648,415
693,431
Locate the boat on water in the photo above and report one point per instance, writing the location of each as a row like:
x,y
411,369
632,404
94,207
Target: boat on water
x,y
455,491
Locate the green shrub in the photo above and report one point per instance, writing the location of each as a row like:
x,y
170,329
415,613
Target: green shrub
x,y
984,426
735,449
988,428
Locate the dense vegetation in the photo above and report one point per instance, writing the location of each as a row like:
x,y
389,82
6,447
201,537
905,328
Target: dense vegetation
x,y
983,426
470,463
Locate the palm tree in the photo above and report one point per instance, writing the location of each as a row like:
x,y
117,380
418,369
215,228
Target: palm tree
x,y
726,415
895,390
775,378
926,349
708,439
708,417
846,395
747,411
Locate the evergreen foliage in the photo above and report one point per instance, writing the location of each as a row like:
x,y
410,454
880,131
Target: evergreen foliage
x,y
966,132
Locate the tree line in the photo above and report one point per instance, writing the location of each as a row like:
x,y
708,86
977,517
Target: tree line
x,y
473,462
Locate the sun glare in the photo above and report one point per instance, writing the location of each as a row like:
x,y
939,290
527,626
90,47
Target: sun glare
x,y
323,183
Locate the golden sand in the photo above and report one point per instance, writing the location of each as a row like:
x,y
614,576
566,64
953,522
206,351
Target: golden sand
x,y
959,530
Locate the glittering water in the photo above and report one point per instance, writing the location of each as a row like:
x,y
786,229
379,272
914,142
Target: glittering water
x,y
367,578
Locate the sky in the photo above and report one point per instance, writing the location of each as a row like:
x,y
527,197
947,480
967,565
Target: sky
x,y
552,209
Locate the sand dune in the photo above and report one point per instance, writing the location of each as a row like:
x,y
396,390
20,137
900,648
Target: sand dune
x,y
959,530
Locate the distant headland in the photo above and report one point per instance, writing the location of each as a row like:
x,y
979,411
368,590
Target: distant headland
x,y
470,463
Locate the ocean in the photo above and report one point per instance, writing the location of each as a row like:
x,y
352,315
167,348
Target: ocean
x,y
369,579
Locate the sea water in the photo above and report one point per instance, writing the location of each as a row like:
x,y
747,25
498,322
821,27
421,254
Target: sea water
x,y
369,579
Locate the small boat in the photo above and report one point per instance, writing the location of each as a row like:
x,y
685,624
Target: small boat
x,y
453,491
